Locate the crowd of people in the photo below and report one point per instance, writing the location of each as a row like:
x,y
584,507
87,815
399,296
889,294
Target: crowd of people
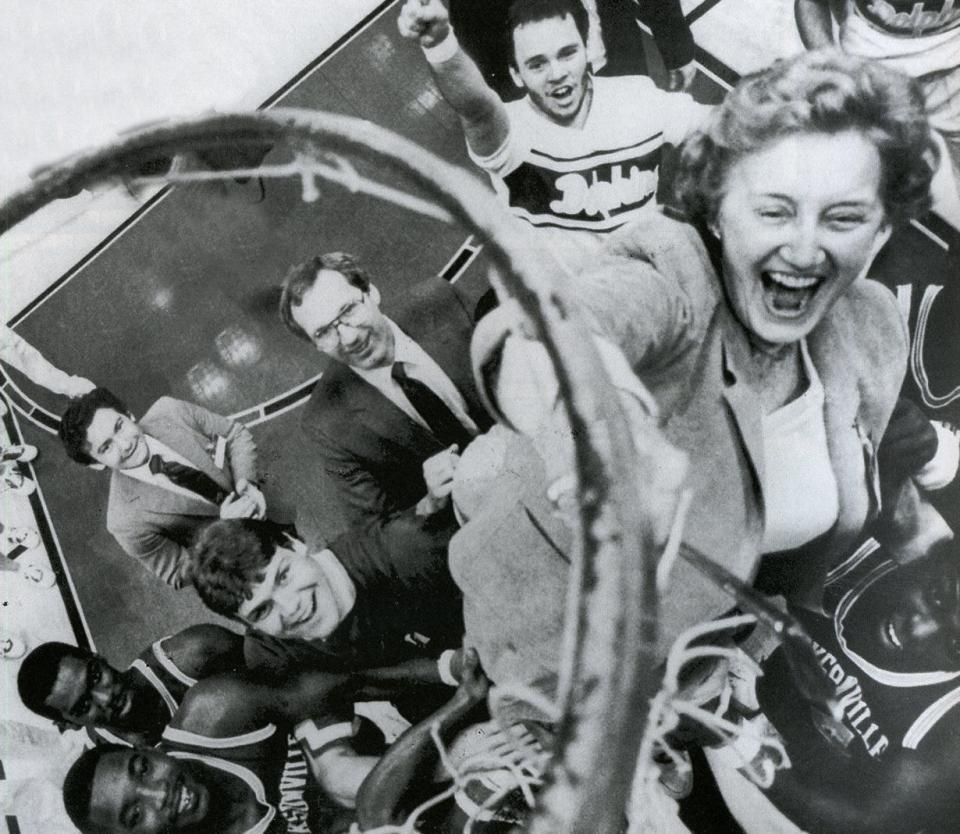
x,y
732,308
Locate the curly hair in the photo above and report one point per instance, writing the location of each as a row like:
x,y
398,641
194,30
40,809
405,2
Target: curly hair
x,y
78,785
38,674
78,417
302,277
228,557
522,12
824,91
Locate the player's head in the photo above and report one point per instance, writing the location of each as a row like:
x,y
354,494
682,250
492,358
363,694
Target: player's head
x,y
245,570
548,54
75,687
98,429
111,788
330,302
907,622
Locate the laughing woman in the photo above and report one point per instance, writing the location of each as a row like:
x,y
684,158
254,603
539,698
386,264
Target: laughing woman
x,y
775,363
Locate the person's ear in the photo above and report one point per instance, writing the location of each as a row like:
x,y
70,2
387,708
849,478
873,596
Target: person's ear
x,y
374,294
515,75
96,467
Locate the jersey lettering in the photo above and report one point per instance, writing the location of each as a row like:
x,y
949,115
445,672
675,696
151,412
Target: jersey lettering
x,y
921,18
855,710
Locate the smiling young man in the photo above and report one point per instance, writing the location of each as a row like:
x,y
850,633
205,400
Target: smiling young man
x,y
375,597
227,764
399,390
166,479
578,153
77,688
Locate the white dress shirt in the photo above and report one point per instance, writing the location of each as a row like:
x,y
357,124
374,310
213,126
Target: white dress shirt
x,y
143,473
420,366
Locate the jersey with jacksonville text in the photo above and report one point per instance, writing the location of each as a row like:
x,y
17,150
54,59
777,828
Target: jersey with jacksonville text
x,y
597,177
276,768
881,708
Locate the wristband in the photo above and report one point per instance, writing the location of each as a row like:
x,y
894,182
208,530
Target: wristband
x,y
444,664
443,51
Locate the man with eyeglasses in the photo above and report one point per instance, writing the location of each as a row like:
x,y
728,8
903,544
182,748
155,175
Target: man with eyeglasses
x,y
399,391
77,688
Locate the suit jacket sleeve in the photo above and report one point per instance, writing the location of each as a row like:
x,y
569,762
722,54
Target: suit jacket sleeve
x,y
157,553
357,491
241,450
632,297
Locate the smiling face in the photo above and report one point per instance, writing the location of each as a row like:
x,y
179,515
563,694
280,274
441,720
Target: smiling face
x,y
551,65
345,323
799,220
909,620
116,440
147,792
91,693
294,599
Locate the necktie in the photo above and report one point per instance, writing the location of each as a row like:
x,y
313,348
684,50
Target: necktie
x,y
441,420
188,478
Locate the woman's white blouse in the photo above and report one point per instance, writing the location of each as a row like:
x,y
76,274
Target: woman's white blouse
x,y
799,490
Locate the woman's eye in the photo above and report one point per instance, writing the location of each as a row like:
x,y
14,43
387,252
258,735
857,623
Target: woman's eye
x,y
283,575
772,213
845,221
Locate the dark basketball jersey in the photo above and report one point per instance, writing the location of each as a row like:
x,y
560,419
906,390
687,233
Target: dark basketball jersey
x,y
157,668
276,769
881,708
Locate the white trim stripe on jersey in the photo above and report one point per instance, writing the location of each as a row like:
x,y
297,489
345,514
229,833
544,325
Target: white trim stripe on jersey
x,y
852,561
248,776
318,740
151,676
164,660
177,736
895,679
930,716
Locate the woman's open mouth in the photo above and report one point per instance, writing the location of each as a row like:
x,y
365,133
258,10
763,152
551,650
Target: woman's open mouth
x,y
789,294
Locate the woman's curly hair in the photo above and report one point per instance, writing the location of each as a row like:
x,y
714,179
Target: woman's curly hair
x,y
824,91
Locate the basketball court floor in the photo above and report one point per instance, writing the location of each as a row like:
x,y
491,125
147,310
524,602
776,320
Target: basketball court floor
x,y
179,299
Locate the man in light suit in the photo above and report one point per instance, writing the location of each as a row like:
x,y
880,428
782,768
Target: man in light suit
x,y
399,390
167,477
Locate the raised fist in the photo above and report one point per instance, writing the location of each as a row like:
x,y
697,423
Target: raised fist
x,y
426,20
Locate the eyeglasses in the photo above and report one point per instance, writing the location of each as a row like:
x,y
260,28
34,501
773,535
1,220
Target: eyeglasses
x,y
328,336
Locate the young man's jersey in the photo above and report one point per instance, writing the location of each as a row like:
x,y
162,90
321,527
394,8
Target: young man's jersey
x,y
275,767
881,708
918,37
156,667
597,177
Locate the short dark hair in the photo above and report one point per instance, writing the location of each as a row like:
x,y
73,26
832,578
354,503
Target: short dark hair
x,y
78,417
522,12
302,277
38,673
824,91
228,557
78,785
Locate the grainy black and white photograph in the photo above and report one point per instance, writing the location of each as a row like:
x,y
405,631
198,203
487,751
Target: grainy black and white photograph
x,y
460,416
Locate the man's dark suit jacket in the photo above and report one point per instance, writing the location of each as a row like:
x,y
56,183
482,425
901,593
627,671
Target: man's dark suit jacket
x,y
371,449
